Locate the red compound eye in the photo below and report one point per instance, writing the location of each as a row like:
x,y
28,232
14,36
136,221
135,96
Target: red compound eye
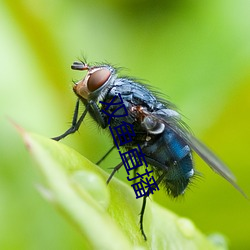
x,y
97,79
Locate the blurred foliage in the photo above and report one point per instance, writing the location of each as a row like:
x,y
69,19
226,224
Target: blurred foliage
x,y
197,53
109,212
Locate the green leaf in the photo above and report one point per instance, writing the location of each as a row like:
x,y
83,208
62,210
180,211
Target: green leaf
x,y
106,216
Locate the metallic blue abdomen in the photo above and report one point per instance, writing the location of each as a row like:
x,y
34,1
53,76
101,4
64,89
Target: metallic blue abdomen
x,y
170,155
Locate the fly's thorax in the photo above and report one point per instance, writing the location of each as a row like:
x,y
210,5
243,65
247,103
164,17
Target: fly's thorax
x,y
153,122
94,84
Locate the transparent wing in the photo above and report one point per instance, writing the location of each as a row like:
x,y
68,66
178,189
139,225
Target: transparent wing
x,y
174,123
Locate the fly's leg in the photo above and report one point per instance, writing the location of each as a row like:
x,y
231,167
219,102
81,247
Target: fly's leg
x,y
91,107
105,156
158,181
142,215
114,171
75,124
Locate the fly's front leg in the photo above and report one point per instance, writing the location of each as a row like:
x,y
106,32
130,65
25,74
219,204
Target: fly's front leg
x,y
75,123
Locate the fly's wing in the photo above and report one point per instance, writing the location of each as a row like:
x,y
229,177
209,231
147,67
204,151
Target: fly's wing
x,y
175,124
212,160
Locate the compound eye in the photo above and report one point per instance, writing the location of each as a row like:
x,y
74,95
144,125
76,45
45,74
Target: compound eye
x,y
97,79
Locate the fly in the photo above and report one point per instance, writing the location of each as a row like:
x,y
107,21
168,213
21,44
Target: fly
x,y
162,136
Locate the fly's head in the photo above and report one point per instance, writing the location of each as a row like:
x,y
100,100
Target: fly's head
x,y
96,79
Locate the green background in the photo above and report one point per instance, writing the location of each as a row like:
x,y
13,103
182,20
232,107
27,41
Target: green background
x,y
196,53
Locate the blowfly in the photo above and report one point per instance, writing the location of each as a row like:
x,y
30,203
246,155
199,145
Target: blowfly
x,y
164,139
